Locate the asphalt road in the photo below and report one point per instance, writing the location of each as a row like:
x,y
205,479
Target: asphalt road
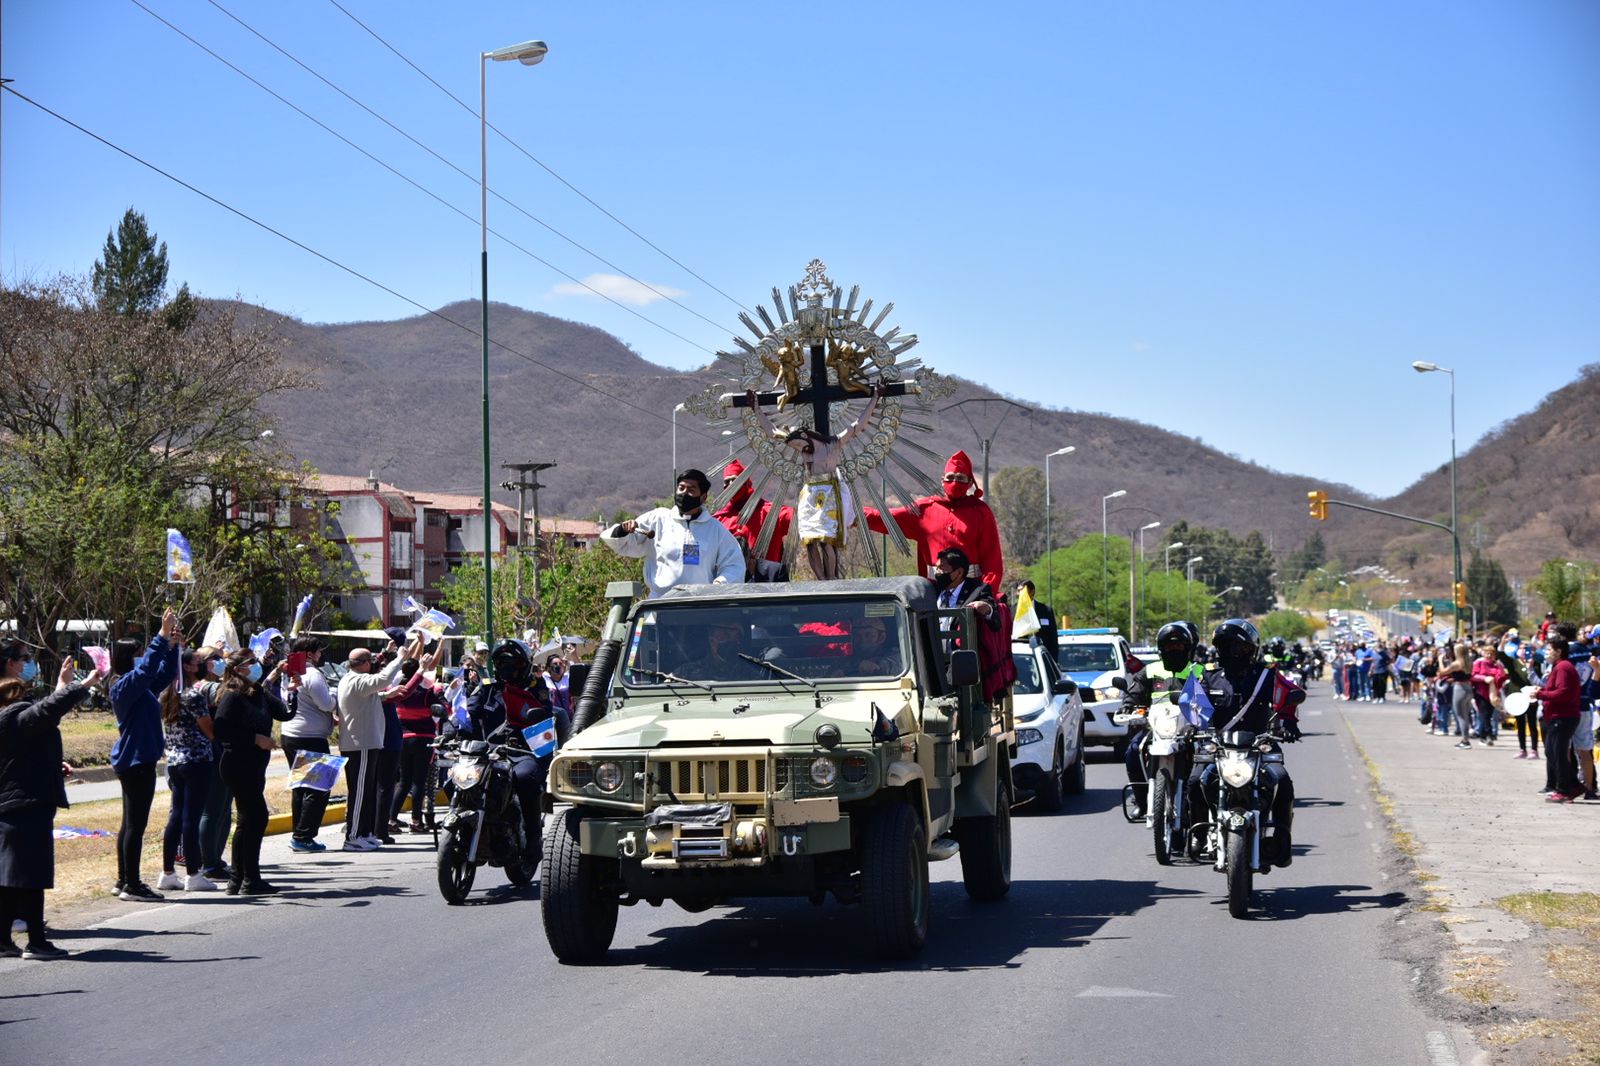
x,y
1098,955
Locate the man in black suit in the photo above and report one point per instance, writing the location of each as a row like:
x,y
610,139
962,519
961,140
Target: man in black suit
x,y
1047,621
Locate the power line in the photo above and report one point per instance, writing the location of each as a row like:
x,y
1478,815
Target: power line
x,y
441,158
435,196
539,162
336,263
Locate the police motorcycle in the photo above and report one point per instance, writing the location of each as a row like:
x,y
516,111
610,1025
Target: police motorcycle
x,y
1233,831
484,825
1166,746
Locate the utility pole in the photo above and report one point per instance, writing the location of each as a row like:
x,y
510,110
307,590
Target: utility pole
x,y
983,404
523,485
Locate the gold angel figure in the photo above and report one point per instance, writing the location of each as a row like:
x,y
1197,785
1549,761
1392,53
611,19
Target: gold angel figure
x,y
786,370
846,361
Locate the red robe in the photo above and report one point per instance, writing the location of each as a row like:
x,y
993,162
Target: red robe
x,y
964,522
748,534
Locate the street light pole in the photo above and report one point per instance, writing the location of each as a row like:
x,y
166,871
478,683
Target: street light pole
x,y
1133,585
1049,543
1166,570
1188,576
675,411
1105,558
1455,529
528,53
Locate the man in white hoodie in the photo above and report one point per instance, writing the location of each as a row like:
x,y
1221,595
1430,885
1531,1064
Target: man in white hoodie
x,y
683,544
361,740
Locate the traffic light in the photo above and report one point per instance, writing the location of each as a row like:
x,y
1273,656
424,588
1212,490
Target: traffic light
x,y
1461,594
1427,614
1319,504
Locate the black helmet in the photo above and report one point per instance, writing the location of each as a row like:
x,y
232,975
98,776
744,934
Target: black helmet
x,y
1237,642
1176,642
1276,646
512,663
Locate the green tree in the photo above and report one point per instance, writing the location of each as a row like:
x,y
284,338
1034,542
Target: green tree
x,y
117,428
572,588
1016,496
1305,559
130,277
1290,625
1561,587
1488,588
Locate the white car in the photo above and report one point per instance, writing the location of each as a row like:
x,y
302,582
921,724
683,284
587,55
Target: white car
x,y
1050,760
1092,658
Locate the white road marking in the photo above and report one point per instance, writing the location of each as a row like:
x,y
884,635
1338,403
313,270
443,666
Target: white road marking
x,y
1101,992
1441,1050
137,917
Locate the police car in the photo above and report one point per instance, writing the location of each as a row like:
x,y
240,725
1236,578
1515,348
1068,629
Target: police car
x,y
1050,758
1091,658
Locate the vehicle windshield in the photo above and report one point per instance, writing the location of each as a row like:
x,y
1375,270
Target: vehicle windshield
x,y
773,641
1029,683
1084,658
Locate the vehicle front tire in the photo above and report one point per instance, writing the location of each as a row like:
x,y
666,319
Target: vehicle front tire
x,y
1240,877
986,849
1161,816
455,872
894,882
1051,787
577,893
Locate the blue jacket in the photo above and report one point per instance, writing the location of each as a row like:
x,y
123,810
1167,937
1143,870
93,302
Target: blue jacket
x,y
134,701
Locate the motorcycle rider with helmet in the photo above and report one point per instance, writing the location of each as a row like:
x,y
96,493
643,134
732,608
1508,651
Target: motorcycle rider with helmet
x,y
517,697
1176,642
1244,692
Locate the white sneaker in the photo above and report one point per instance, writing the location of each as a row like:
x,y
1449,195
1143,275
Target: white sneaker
x,y
199,883
372,842
357,844
170,881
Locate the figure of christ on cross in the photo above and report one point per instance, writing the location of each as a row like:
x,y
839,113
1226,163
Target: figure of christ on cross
x,y
825,509
817,394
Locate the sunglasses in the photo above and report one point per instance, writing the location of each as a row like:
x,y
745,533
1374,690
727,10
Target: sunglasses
x,y
964,479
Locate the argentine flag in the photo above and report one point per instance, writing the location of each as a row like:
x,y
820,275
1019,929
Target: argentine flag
x,y
458,704
1194,704
541,737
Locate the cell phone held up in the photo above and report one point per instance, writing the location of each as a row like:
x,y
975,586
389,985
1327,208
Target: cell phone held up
x,y
296,664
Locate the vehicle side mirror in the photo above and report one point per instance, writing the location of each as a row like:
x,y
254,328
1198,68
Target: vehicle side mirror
x,y
1120,683
1066,686
963,667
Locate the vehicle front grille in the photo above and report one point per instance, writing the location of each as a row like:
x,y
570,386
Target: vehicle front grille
x,y
693,779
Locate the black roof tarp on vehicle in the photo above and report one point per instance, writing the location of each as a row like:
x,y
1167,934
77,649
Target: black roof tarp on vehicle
x,y
914,592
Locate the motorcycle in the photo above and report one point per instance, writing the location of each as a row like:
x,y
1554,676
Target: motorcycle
x,y
1166,748
484,824
1233,831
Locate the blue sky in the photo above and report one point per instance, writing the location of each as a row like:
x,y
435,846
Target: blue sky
x,y
1239,220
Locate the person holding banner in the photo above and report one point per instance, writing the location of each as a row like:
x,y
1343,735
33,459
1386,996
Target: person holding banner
x,y
308,730
139,744
246,710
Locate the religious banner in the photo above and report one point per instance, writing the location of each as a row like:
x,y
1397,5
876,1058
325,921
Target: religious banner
x,y
313,769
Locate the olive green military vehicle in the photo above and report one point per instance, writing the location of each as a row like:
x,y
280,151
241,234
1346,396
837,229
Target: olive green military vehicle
x,y
799,739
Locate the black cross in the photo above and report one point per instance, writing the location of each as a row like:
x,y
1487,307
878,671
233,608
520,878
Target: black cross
x,y
819,393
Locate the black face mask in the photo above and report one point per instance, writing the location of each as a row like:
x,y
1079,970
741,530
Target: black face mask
x,y
1175,657
942,580
686,502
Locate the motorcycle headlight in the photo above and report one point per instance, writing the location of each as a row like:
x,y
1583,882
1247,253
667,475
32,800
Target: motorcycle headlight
x,y
608,777
1164,726
823,772
1029,736
466,774
1236,770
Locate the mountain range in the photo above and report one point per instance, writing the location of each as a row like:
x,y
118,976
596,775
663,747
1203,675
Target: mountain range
x,y
401,399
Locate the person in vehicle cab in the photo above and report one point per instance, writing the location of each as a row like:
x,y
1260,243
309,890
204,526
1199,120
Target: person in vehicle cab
x,y
875,653
516,699
721,662
1243,689
1176,642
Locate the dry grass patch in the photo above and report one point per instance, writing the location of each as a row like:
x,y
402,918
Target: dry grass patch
x,y
1575,962
1472,978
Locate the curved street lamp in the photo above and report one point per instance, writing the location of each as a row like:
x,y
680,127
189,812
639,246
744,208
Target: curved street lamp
x,y
1049,542
1105,558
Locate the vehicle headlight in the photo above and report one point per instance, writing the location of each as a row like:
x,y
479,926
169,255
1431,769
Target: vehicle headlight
x,y
608,776
855,769
1107,694
1236,770
1029,736
1164,726
823,772
466,774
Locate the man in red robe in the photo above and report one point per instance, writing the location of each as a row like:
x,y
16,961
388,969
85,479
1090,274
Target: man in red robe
x,y
958,519
769,567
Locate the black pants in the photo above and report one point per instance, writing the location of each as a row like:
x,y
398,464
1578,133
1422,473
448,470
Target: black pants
x,y
388,777
22,905
138,792
361,785
246,775
1380,684
189,782
414,759
307,805
527,780
1527,731
216,820
1560,764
